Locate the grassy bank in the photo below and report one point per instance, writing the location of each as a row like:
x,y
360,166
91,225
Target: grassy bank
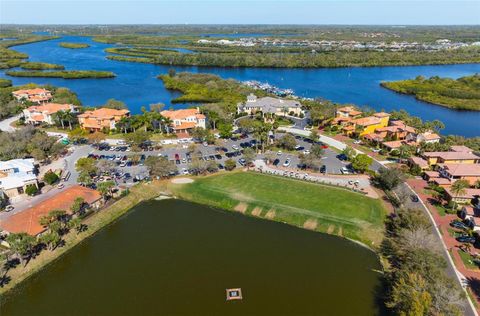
x,y
321,208
65,74
73,45
95,222
41,66
459,94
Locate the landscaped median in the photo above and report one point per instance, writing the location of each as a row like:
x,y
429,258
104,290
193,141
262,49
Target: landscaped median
x,y
312,206
95,222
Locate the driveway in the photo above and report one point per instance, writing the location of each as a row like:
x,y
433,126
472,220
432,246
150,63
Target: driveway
x,y
5,124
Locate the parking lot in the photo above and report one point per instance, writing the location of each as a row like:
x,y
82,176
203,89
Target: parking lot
x,y
223,150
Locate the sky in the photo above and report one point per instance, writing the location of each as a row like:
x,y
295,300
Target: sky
x,y
367,12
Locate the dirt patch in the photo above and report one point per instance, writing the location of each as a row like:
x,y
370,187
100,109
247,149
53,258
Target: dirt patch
x,y
182,180
310,224
241,207
257,211
330,229
270,214
340,231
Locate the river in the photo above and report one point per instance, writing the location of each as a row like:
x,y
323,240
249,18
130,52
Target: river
x,y
177,258
137,84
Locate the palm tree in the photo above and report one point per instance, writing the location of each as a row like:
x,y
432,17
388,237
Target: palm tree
x,y
58,118
214,117
69,117
458,187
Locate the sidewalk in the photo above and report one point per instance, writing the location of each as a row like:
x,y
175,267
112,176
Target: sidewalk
x,y
443,223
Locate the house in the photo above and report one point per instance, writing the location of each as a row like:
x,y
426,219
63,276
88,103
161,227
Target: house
x,y
348,111
37,95
183,121
102,118
28,220
397,130
270,105
460,171
367,125
420,162
426,137
43,113
450,157
463,198
16,175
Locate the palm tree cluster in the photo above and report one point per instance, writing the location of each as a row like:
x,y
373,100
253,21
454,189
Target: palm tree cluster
x,y
149,120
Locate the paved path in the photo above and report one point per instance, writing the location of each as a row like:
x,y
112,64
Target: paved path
x,y
5,124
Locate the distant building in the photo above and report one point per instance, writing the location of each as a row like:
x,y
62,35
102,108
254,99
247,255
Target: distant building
x,y
426,137
102,118
27,221
451,157
15,175
36,95
269,105
183,121
43,113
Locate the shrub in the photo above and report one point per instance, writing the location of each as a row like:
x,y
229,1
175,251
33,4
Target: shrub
x,y
230,164
50,177
31,189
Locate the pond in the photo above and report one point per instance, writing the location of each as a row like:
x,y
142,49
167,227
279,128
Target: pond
x,y
178,258
137,85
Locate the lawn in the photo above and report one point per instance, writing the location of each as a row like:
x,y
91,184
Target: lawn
x,y
317,207
467,260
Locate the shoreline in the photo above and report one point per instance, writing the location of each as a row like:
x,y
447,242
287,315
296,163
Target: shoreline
x,y
107,216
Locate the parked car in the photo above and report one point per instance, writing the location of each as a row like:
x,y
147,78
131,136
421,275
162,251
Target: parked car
x,y
306,152
287,162
279,153
376,150
242,161
342,157
466,239
235,147
298,147
357,141
323,169
458,224
9,208
344,170
414,198
276,162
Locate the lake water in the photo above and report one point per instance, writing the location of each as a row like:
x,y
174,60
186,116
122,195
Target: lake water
x,y
177,258
137,84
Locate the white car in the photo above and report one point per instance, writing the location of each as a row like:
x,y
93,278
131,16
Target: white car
x,y
234,147
9,208
306,152
287,162
279,153
344,170
376,150
205,144
185,171
358,141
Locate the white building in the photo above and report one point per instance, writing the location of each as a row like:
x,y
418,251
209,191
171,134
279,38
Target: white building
x,y
269,105
43,113
16,174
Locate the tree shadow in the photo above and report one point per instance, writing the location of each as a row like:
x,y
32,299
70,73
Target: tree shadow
x,y
474,284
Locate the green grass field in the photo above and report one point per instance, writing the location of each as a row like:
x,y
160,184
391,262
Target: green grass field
x,y
317,207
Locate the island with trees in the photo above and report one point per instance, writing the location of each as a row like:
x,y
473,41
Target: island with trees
x,y
65,74
460,94
40,66
73,45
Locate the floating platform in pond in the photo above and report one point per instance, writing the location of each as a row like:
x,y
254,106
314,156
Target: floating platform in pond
x,y
234,294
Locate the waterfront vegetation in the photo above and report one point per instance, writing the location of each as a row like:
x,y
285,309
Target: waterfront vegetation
x,y
245,58
65,74
10,58
41,66
459,94
73,45
327,209
206,88
4,83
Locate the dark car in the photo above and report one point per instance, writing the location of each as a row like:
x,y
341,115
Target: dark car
x,y
467,239
342,157
218,157
220,166
276,162
242,161
414,198
323,169
458,224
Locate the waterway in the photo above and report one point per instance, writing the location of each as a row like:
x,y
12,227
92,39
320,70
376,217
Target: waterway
x,y
173,257
137,85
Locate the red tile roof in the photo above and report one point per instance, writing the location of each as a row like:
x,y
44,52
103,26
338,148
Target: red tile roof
x,y
28,220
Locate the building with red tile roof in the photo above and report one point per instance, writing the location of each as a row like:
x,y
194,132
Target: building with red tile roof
x,y
102,118
44,113
463,197
28,220
183,121
36,95
459,171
